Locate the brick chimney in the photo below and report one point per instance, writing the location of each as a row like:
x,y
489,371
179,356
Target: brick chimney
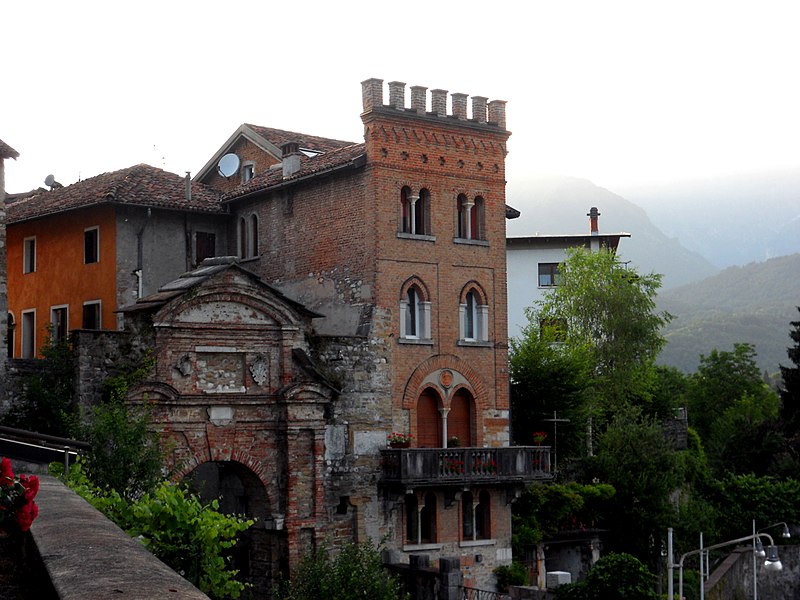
x,y
290,158
497,113
479,109
419,99
439,102
593,214
459,106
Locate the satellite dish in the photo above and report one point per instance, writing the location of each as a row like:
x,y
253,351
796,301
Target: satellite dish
x,y
228,165
51,182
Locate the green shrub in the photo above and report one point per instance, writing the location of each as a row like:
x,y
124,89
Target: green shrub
x,y
508,575
356,571
618,576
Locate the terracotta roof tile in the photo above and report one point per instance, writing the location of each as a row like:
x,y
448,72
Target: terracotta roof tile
x,y
278,137
140,185
308,166
7,151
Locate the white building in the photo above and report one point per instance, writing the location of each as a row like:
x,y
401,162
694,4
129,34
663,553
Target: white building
x,y
532,265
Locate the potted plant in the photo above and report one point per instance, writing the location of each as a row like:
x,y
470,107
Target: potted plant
x,y
453,442
17,508
539,437
399,440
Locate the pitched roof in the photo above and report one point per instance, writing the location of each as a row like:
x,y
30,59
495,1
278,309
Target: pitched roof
x,y
353,155
278,137
140,185
7,151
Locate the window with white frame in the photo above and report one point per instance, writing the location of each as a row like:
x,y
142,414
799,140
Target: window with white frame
x,y
470,217
92,315
415,314
473,317
415,218
59,323
248,171
29,255
91,245
28,333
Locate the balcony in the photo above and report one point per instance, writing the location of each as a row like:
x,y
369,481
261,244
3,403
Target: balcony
x,y
466,466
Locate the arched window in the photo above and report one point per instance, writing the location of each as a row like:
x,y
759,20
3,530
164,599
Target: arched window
x,y
415,216
427,517
467,517
412,519
473,317
470,218
429,420
242,238
483,516
253,235
415,313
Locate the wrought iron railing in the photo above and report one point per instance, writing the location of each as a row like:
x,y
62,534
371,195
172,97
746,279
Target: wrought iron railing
x,y
467,465
476,594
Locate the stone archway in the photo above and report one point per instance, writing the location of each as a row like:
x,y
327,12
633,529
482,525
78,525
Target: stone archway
x,y
257,555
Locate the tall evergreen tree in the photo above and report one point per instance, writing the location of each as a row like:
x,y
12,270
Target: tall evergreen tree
x,y
790,391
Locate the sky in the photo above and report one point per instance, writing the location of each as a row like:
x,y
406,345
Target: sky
x,y
624,93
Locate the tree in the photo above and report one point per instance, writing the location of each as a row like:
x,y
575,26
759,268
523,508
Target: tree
x,y
618,576
603,318
790,392
356,571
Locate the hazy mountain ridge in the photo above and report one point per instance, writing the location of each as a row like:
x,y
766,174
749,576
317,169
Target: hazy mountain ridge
x,y
753,304
559,205
730,220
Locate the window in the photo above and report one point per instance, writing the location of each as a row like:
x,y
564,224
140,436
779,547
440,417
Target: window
x,y
475,517
420,520
470,218
248,171
59,323
415,315
29,334
10,335
549,275
474,317
415,212
91,245
242,238
92,315
29,255
253,235
205,246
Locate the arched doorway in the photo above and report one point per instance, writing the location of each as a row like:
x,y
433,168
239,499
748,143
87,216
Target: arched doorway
x,y
239,491
429,420
460,420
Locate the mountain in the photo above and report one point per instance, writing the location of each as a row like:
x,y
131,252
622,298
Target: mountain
x,y
559,206
754,303
730,220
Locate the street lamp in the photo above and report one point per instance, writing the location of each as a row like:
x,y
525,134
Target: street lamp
x,y
772,562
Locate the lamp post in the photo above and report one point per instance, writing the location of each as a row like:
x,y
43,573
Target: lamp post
x,y
758,549
772,561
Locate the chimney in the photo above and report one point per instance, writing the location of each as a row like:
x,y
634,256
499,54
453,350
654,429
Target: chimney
x,y
460,106
419,99
188,186
593,214
290,158
497,113
479,109
397,94
439,102
372,94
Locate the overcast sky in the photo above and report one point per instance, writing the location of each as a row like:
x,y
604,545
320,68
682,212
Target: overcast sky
x,y
622,93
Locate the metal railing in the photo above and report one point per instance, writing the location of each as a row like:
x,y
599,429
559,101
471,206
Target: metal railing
x,y
476,594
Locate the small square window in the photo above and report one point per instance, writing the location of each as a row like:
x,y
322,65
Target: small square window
x,y
92,315
91,245
29,255
549,275
248,172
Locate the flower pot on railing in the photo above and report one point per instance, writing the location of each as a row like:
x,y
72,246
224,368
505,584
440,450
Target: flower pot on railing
x,y
399,444
399,440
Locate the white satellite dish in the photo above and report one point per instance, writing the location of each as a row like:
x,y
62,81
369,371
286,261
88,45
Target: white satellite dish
x,y
51,182
228,165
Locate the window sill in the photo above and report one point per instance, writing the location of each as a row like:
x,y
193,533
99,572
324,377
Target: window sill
x,y
248,259
469,242
415,341
418,547
416,236
475,343
474,543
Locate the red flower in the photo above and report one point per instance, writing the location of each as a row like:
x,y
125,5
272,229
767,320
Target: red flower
x,y
31,485
26,514
6,472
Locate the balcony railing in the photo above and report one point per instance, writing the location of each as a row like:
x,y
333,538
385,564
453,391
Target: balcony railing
x,y
438,466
